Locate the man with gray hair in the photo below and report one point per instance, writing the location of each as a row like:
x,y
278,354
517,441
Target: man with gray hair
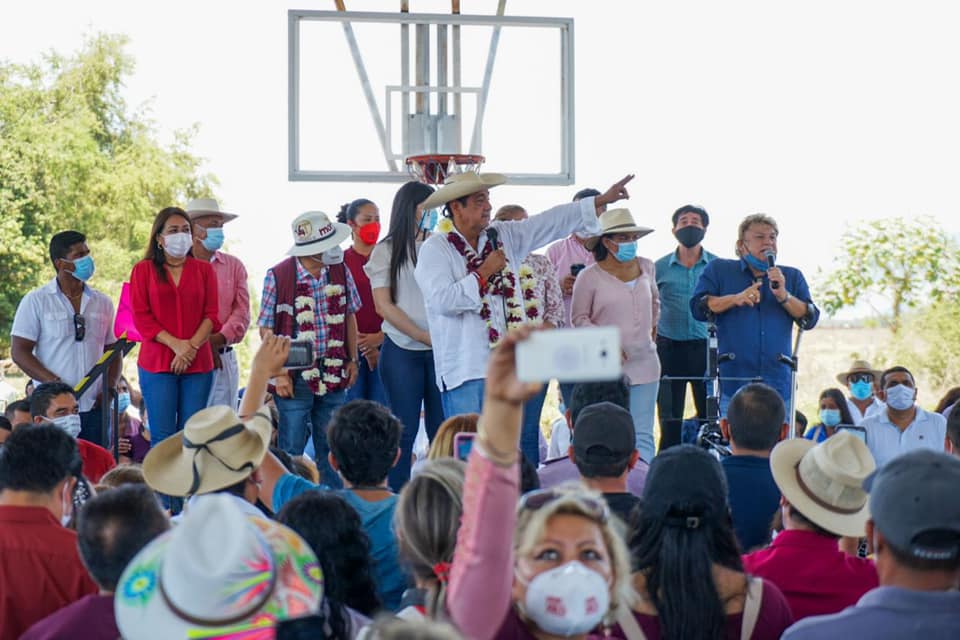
x,y
915,529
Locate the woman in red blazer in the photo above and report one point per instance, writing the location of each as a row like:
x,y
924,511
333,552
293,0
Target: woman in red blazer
x,y
174,299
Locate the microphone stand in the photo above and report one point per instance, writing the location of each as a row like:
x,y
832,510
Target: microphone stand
x,y
793,363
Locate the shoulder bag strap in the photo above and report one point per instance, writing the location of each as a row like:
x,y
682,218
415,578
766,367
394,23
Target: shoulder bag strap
x,y
629,625
751,607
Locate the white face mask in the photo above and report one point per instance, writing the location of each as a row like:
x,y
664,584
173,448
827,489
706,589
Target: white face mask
x,y
177,245
900,397
332,256
69,423
567,600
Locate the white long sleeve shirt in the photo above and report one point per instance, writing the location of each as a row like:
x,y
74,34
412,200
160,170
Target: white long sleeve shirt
x,y
452,294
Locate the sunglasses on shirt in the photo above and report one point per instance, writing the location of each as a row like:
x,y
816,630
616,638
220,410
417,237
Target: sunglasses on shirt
x,y
540,498
79,327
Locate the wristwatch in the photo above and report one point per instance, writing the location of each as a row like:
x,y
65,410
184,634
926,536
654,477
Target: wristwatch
x,y
786,298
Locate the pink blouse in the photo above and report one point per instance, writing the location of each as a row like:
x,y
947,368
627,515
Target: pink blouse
x,y
601,299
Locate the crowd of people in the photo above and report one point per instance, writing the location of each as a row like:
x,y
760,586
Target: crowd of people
x,y
299,508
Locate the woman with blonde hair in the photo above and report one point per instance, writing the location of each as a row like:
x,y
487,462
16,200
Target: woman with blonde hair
x,y
442,445
554,565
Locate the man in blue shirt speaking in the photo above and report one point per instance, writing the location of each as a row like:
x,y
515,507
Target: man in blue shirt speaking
x,y
755,305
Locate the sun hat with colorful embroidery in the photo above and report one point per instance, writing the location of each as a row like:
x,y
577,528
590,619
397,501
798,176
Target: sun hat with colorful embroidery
x,y
218,574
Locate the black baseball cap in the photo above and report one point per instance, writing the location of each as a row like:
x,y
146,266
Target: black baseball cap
x,y
603,433
915,504
685,485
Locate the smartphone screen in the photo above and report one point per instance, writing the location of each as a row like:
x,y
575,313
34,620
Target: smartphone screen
x,y
462,444
301,354
860,432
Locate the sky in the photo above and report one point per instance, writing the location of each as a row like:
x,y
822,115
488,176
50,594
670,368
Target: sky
x,y
821,114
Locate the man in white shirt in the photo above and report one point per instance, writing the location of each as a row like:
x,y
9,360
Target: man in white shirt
x,y
902,426
861,380
469,276
61,329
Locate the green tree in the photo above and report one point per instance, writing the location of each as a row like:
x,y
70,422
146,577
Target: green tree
x,y
73,155
910,263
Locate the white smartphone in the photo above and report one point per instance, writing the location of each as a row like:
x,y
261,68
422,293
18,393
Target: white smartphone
x,y
587,354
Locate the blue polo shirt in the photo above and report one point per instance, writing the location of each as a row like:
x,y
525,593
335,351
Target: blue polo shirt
x,y
676,283
754,498
756,335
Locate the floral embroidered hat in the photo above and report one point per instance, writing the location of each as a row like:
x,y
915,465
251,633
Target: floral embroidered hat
x,y
218,574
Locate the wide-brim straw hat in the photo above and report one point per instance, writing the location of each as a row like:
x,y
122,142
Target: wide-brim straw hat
x,y
617,221
462,184
215,450
200,207
314,233
217,570
825,481
859,366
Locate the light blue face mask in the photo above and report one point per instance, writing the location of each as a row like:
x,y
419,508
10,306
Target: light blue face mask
x,y
83,268
830,417
429,220
755,262
214,239
626,251
861,390
123,401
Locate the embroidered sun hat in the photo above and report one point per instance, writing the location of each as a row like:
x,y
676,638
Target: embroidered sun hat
x,y
617,221
825,481
314,233
218,572
462,184
200,207
859,366
214,450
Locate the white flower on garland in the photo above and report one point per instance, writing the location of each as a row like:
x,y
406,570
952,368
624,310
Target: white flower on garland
x,y
329,378
332,362
531,304
333,344
332,290
335,318
307,336
305,302
306,317
445,225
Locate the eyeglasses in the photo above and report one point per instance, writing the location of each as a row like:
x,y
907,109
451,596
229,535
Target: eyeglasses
x,y
79,327
540,498
860,377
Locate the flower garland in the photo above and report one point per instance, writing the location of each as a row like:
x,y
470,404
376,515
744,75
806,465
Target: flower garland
x,y
332,378
533,307
503,283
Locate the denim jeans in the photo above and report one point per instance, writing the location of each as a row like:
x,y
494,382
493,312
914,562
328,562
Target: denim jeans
x,y
410,382
530,434
643,403
171,399
368,385
306,412
467,398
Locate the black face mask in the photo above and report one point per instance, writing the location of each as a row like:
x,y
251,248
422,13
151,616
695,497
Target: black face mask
x,y
689,236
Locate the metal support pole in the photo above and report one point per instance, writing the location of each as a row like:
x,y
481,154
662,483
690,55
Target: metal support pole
x,y
442,69
475,141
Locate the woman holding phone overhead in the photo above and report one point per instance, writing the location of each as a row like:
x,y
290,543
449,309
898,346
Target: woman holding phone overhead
x,y
175,308
406,357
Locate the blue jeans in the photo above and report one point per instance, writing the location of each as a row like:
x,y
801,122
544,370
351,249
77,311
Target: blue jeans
x,y
410,382
171,399
530,434
368,385
304,409
643,404
467,398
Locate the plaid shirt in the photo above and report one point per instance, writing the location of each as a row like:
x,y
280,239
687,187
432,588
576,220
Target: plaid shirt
x,y
268,301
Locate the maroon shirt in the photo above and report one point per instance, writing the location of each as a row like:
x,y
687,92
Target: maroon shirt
x,y
814,575
367,319
91,617
40,568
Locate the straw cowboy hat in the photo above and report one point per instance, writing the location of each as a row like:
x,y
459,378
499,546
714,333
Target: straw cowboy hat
x,y
617,221
201,207
463,184
859,366
217,570
825,481
314,233
214,450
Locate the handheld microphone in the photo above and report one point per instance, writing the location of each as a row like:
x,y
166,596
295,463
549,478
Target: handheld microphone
x,y
493,238
771,263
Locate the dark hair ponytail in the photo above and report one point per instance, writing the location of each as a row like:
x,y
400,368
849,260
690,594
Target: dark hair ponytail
x,y
349,211
403,229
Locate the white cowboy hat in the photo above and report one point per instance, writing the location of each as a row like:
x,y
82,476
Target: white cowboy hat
x,y
616,221
825,481
314,233
859,366
462,184
217,569
200,207
214,450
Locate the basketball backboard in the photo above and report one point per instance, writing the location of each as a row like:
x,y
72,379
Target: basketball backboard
x,y
368,90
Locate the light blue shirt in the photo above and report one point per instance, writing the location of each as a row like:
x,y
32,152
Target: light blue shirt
x,y
886,441
676,283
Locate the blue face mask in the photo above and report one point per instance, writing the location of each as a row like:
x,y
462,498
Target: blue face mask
x,y
83,268
429,220
830,417
755,262
626,251
214,239
123,401
861,390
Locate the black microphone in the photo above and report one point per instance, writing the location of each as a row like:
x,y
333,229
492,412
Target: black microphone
x,y
771,263
493,238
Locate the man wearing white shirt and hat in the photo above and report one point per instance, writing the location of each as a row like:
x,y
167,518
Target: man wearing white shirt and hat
x,y
234,298
468,275
861,379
